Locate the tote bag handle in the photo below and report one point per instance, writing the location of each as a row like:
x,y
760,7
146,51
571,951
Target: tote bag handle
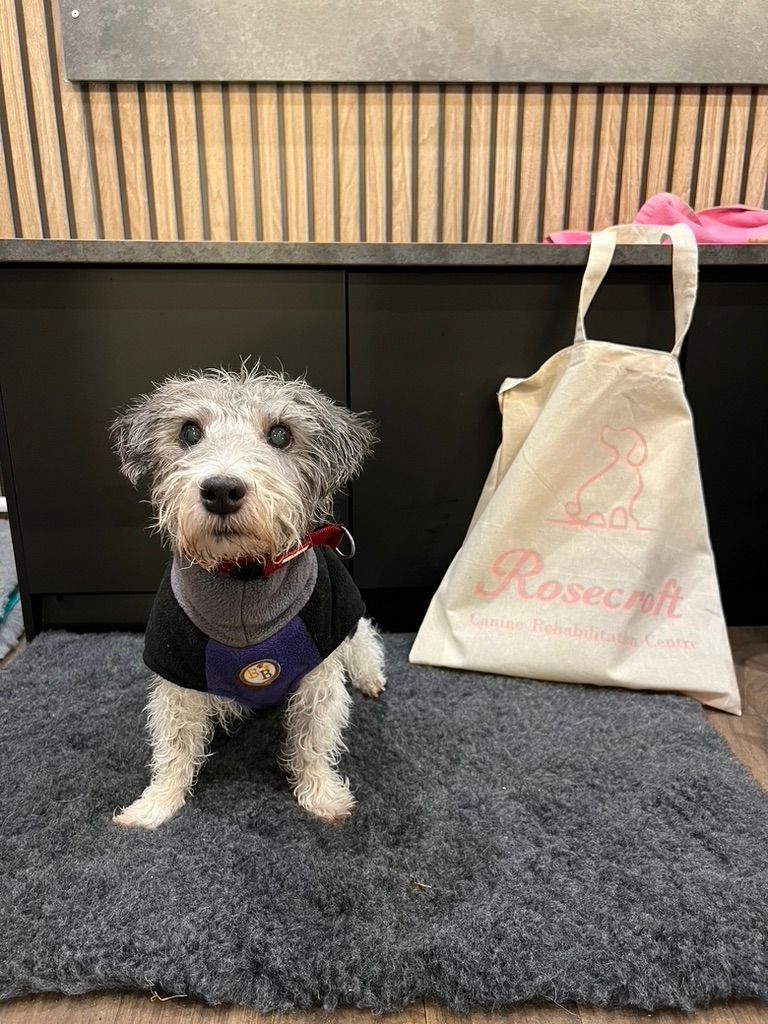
x,y
684,270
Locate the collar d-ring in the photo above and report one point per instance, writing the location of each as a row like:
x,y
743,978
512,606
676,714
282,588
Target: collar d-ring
x,y
352,546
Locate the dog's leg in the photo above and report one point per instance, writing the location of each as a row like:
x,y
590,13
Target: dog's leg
x,y
180,723
315,718
364,659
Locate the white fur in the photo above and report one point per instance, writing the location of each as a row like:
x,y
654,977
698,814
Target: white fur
x,y
181,723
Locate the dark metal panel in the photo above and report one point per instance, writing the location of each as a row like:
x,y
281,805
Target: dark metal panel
x,y
86,612
415,40
428,351
29,606
79,342
726,373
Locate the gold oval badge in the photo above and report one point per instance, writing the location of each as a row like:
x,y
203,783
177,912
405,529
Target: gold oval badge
x,y
259,673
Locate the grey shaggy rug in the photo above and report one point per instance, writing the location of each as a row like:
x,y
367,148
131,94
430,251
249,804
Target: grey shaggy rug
x,y
513,841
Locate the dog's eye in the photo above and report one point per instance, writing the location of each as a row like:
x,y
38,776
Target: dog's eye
x,y
190,434
279,436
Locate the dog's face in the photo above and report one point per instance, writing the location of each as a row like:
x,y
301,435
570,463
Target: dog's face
x,y
240,464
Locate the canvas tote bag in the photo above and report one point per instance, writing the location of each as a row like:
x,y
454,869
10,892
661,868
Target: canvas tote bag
x,y
588,558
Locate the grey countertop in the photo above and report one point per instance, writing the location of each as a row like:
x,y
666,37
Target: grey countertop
x,y
365,254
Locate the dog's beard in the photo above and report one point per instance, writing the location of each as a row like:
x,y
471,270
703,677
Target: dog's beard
x,y
266,525
213,544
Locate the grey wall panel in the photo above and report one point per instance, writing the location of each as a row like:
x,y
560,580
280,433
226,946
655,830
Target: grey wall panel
x,y
416,40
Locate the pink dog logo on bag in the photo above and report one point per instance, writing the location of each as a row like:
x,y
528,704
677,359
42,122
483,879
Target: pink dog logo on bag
x,y
606,500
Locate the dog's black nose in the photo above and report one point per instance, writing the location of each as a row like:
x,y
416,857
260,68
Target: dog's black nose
x,y
222,495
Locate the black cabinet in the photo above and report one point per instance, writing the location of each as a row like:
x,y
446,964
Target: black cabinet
x,y
79,342
428,351
423,350
726,373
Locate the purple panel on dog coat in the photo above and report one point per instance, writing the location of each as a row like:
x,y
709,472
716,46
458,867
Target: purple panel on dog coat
x,y
265,675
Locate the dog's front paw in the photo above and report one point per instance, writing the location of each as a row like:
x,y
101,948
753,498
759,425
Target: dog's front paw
x,y
147,812
371,686
329,801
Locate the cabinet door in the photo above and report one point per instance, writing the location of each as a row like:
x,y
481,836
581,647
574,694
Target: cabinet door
x,y
726,371
79,342
428,352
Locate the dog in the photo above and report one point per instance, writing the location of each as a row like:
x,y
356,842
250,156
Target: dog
x,y
255,610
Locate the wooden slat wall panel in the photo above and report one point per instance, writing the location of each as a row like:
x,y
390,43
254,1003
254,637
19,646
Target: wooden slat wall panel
x,y
734,146
349,170
660,140
505,164
74,142
712,123
321,152
7,225
159,161
427,157
34,40
756,185
133,161
295,149
582,157
243,192
453,166
401,163
268,155
106,173
608,157
480,112
185,149
214,157
372,162
530,157
632,157
555,185
374,169
685,144
17,135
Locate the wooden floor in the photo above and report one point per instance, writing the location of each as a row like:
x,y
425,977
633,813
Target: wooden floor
x,y
748,738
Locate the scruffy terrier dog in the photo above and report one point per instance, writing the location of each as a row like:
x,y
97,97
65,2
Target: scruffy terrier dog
x,y
254,611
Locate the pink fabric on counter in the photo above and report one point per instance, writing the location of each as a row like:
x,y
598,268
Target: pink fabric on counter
x,y
720,225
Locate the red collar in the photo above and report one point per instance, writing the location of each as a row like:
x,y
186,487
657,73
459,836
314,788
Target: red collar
x,y
332,535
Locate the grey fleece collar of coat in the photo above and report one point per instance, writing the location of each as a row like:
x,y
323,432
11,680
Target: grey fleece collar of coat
x,y
242,612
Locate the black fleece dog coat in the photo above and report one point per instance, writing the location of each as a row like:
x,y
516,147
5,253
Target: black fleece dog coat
x,y
251,639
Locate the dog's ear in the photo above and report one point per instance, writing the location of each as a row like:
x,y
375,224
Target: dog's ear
x,y
357,438
343,442
134,438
